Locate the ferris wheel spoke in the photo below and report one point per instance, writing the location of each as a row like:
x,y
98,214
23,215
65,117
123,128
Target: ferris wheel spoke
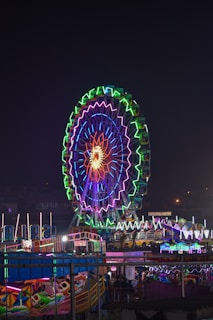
x,y
105,152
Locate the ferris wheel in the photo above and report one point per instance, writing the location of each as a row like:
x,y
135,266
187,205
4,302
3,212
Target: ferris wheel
x,y
106,154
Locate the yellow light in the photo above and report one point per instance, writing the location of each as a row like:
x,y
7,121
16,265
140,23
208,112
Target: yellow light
x,y
96,157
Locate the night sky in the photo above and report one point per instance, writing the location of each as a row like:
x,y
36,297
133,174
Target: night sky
x,y
161,52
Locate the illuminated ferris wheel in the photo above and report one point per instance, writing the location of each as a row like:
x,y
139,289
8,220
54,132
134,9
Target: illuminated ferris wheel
x,y
106,154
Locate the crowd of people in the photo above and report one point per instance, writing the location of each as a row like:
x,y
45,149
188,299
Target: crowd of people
x,y
121,289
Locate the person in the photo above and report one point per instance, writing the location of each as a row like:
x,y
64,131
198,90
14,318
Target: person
x,y
140,289
129,291
211,286
123,289
117,289
108,287
109,272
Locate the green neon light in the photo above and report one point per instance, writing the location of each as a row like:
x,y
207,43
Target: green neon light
x,y
99,91
100,224
138,166
5,263
46,245
80,217
138,127
54,263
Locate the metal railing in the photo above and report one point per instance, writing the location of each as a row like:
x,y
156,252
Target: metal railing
x,y
152,289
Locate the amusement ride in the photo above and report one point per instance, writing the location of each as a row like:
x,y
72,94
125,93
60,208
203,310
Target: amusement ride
x,y
106,156
106,169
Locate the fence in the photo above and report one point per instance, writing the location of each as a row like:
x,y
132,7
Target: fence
x,y
97,292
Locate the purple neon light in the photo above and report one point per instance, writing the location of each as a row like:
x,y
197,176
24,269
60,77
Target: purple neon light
x,y
126,175
13,288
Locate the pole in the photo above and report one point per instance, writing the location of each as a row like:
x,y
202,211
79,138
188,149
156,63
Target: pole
x,y
40,225
72,292
51,224
6,276
54,279
99,300
28,227
182,279
16,229
2,227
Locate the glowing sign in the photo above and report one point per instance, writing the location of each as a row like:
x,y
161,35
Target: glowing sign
x,y
160,214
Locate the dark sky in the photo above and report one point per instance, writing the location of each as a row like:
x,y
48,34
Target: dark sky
x,y
159,51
